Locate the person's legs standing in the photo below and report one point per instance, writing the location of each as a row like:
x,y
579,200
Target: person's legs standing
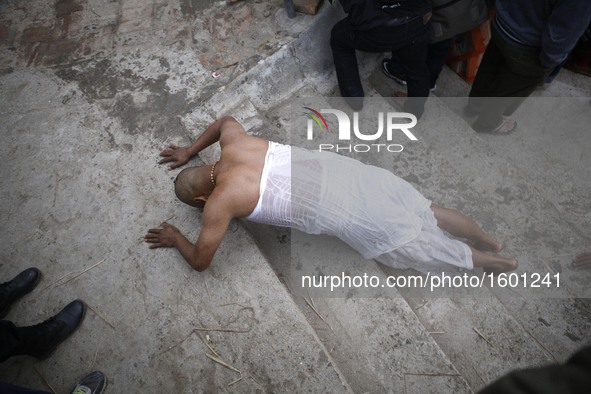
x,y
345,61
507,75
488,73
42,339
11,338
409,40
413,59
6,388
436,57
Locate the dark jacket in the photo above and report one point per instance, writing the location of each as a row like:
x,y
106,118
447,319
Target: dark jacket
x,y
369,14
554,26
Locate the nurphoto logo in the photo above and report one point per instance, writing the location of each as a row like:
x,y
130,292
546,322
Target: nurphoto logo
x,y
389,123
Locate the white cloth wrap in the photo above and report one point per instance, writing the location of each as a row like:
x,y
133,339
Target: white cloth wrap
x,y
375,212
367,207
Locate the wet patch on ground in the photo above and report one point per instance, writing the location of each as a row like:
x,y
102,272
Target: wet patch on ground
x,y
141,104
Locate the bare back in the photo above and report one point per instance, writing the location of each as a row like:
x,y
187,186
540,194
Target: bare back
x,y
238,172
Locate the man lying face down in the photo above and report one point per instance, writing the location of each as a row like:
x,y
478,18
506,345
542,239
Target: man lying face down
x,y
377,213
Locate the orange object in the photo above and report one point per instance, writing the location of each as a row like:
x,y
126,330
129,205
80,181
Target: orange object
x,y
467,50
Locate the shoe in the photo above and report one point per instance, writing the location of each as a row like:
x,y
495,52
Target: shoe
x,y
398,76
93,383
391,73
42,339
22,284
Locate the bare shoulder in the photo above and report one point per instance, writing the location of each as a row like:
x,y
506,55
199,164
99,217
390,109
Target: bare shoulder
x,y
232,133
236,194
231,130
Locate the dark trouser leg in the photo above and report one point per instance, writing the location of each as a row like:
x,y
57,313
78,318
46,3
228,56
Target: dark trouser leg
x,y
6,388
345,60
11,340
408,42
436,57
413,59
510,75
488,73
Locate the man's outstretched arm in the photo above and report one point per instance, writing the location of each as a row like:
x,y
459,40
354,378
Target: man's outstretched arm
x,y
198,255
179,156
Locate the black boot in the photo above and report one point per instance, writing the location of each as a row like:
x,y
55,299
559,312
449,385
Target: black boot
x,y
22,284
42,339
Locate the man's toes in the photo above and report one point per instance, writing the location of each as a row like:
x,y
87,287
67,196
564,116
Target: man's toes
x,y
582,260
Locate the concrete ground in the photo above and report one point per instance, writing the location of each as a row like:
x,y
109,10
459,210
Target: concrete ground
x,y
92,90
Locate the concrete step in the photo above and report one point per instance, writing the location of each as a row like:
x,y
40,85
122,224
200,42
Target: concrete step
x,y
91,96
488,335
377,343
514,186
82,133
145,304
485,338
383,335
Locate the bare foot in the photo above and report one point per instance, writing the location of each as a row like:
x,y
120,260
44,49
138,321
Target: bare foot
x,y
582,260
501,265
495,264
489,245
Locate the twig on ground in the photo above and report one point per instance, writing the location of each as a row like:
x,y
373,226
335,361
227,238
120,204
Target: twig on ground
x,y
482,336
207,289
176,344
221,329
431,374
206,344
58,283
94,359
221,362
45,380
101,316
237,330
310,297
318,313
254,380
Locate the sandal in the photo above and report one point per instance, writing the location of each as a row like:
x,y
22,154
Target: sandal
x,y
506,127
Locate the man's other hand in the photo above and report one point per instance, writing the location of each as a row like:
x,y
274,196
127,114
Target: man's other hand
x,y
176,155
164,237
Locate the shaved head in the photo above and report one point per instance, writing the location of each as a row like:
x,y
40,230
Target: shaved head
x,y
192,182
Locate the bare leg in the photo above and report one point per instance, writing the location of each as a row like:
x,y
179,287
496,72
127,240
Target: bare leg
x,y
492,263
459,225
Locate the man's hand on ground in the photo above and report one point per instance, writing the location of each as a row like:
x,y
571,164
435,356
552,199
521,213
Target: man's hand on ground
x,y
164,237
176,155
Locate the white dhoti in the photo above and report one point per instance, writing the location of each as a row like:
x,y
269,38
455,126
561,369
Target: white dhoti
x,y
377,213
